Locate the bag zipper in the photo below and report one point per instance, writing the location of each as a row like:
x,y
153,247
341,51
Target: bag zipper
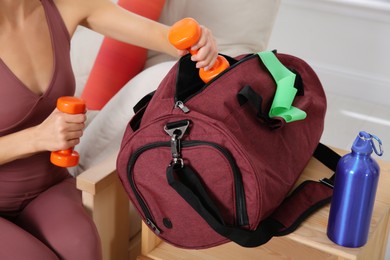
x,y
181,103
148,216
241,212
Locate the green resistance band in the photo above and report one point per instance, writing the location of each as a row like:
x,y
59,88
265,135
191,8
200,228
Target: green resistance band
x,y
285,91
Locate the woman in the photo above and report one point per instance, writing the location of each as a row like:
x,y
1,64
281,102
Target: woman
x,y
41,215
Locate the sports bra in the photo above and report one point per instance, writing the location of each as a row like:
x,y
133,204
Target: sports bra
x,y
24,179
22,108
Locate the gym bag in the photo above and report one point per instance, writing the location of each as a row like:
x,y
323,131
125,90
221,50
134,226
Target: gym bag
x,y
205,164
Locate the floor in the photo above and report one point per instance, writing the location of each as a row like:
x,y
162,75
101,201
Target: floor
x,y
346,117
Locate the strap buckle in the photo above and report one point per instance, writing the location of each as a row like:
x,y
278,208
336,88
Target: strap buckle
x,y
176,131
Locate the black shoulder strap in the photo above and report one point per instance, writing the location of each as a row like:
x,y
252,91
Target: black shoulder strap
x,y
304,200
139,110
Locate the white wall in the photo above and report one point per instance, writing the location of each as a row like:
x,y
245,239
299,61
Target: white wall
x,y
347,42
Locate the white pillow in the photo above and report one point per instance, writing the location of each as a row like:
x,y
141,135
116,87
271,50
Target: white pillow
x,y
85,45
103,135
239,27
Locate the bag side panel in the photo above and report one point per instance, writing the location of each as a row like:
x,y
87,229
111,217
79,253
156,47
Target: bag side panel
x,y
278,156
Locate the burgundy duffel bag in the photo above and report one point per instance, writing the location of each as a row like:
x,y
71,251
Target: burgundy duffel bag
x,y
205,164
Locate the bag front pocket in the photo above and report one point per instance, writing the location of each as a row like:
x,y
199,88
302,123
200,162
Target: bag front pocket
x,y
162,208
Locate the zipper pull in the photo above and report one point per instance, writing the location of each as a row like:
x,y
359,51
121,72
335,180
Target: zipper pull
x,y
181,105
153,226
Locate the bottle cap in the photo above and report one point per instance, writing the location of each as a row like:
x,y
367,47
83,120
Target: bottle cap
x,y
364,144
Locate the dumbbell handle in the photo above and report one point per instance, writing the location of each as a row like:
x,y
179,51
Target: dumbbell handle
x,y
184,34
68,157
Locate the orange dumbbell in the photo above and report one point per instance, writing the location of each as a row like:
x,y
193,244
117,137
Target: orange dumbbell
x,y
68,157
184,34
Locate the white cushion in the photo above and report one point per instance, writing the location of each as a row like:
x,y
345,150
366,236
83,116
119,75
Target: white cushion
x,y
85,46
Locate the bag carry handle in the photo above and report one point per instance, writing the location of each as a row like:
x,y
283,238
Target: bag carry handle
x,y
248,95
304,200
285,91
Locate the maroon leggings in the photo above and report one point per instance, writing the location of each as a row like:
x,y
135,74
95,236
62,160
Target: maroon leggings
x,y
53,226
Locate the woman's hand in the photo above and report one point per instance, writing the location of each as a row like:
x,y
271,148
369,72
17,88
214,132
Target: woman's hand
x,y
59,131
207,50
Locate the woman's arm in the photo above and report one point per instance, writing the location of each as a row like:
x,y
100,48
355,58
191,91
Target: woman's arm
x,y
16,146
115,22
59,131
109,19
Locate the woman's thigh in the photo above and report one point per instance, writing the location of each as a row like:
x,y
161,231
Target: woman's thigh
x,y
16,243
58,218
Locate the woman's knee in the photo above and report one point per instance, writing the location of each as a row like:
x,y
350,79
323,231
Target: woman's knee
x,y
78,239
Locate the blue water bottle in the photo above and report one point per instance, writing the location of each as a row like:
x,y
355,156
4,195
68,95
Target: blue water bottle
x,y
355,185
